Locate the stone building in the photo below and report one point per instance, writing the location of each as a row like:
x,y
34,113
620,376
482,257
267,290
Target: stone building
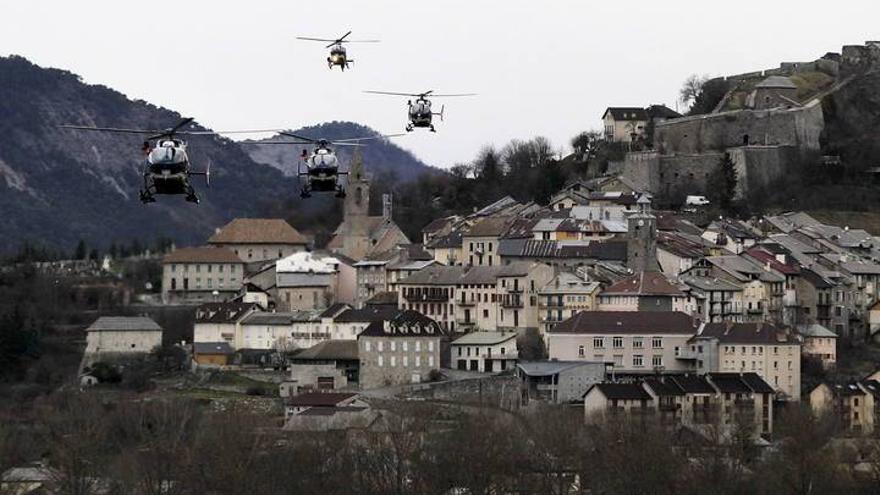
x,y
773,92
306,281
259,239
361,234
201,274
624,124
403,349
111,336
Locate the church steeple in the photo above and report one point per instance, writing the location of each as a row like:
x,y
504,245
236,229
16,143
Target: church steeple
x,y
357,199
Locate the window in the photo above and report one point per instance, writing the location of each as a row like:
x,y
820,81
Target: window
x,y
418,361
617,342
431,348
618,360
657,360
379,346
598,342
431,361
657,343
405,361
637,342
419,347
600,358
380,361
393,361
580,351
393,346
459,351
403,346
638,361
367,346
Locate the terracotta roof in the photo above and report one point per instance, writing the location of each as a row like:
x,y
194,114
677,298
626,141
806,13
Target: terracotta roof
x,y
627,322
258,231
201,255
765,257
644,284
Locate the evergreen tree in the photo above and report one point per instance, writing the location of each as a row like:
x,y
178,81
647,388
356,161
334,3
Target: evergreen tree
x,y
81,250
722,184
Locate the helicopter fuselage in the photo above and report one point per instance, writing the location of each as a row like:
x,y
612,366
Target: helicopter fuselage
x,y
420,114
168,167
338,57
322,172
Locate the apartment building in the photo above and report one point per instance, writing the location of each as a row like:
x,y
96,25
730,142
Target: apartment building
x,y
201,274
633,341
566,294
773,352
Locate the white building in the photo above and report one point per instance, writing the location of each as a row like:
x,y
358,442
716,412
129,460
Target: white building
x,y
487,352
120,335
221,322
305,281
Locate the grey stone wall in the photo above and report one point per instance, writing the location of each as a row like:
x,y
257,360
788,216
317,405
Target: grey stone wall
x,y
798,127
497,390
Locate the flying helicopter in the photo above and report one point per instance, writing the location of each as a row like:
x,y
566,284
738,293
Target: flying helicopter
x,y
419,112
338,55
321,166
167,168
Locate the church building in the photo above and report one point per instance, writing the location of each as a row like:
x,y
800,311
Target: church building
x,y
360,235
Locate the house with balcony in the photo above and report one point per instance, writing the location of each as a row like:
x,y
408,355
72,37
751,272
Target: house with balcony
x,y
710,404
715,299
486,352
772,352
762,287
635,342
566,294
433,292
480,242
517,286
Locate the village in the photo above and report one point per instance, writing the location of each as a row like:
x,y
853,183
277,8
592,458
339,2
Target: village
x,y
627,299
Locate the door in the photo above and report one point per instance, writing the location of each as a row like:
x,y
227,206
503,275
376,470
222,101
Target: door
x,y
489,364
475,365
462,364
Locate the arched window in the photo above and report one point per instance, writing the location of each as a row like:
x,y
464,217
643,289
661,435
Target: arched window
x,y
358,196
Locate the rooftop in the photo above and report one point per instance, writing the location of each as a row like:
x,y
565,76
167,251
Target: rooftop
x,y
223,312
346,350
749,333
621,391
644,284
627,322
320,399
406,323
124,324
548,368
815,330
212,348
305,262
485,338
201,255
257,231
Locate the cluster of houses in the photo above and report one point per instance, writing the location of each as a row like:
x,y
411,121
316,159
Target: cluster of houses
x,y
597,276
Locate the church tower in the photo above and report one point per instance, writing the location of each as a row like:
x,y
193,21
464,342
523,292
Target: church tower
x,y
356,229
357,199
641,245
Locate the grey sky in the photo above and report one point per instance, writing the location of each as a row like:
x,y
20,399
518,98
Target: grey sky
x,y
540,67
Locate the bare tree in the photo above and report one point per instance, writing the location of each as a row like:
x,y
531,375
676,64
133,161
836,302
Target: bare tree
x,y
691,88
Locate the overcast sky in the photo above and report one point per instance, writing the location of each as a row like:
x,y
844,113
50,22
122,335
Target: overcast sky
x,y
541,67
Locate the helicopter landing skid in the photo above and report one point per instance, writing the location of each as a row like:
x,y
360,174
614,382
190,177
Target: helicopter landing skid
x,y
147,197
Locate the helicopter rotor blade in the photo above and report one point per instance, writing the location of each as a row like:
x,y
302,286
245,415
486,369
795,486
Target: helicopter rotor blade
x,y
346,144
180,125
109,129
391,93
448,95
344,36
275,142
303,138
367,138
306,38
237,131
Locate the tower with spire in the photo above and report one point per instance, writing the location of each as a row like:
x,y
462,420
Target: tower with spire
x,y
641,245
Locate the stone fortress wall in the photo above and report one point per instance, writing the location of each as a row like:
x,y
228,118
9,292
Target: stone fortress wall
x,y
763,144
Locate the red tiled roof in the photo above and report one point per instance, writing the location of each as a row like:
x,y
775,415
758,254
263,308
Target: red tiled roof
x,y
258,231
765,257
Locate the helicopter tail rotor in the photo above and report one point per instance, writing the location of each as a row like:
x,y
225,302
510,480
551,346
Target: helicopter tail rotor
x,y
442,110
208,175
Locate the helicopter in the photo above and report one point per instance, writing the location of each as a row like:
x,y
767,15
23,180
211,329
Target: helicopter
x,y
167,168
420,113
321,166
338,55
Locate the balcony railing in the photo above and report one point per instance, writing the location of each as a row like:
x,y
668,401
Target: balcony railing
x,y
511,302
464,302
498,355
426,297
551,304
